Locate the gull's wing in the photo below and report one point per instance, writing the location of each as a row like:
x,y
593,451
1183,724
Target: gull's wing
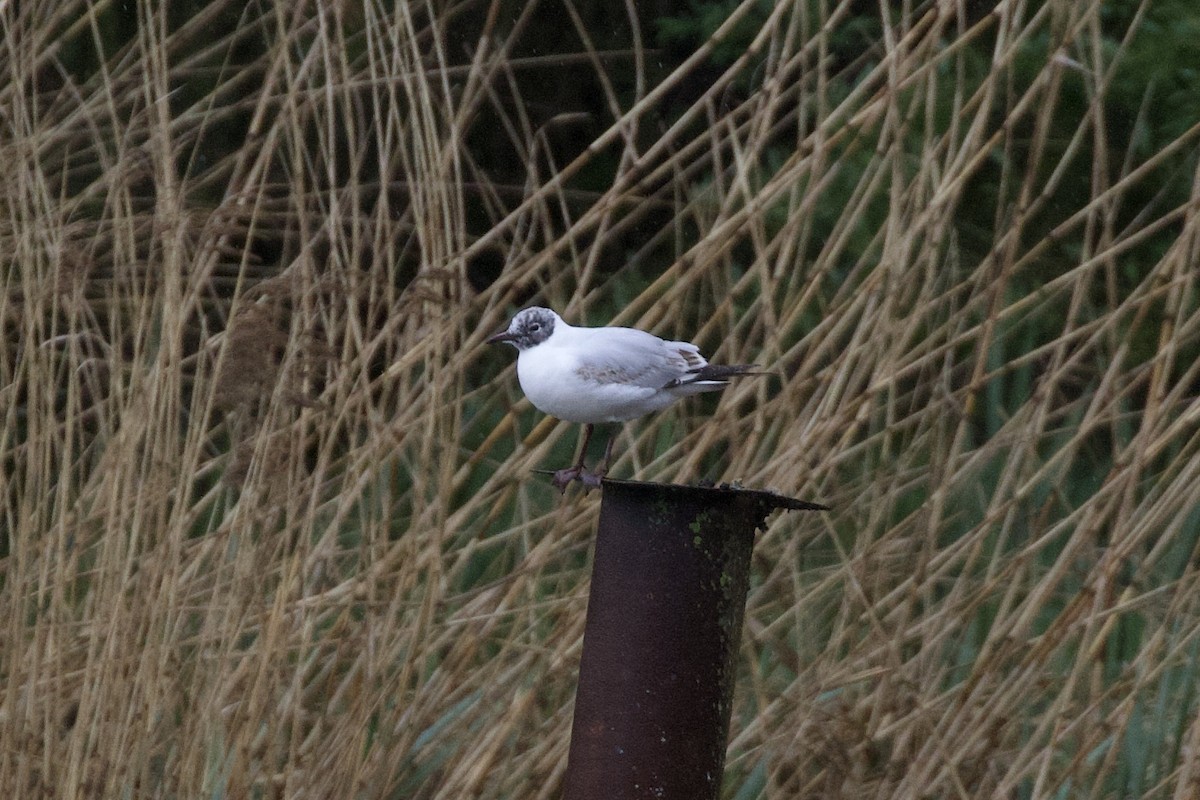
x,y
631,357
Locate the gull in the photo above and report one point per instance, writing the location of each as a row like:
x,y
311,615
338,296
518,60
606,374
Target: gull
x,y
594,375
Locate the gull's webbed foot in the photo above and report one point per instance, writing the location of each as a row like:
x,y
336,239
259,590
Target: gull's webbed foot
x,y
591,478
563,477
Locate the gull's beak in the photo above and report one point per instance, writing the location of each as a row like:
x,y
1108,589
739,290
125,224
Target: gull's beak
x,y
502,336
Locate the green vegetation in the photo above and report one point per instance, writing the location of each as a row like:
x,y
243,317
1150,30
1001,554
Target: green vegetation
x,y
269,523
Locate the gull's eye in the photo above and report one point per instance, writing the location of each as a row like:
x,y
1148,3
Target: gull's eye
x,y
535,326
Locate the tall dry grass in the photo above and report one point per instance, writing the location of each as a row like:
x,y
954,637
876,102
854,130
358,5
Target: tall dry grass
x,y
269,527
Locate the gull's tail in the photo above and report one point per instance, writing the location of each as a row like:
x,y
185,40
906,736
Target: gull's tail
x,y
712,377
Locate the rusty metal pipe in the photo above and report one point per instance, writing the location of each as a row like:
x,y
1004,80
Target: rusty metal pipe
x,y
664,620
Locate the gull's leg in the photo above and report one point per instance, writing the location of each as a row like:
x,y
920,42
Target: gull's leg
x,y
564,476
592,479
587,437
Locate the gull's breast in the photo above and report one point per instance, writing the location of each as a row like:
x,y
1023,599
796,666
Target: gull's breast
x,y
555,383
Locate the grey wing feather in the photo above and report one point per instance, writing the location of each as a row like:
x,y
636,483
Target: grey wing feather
x,y
637,358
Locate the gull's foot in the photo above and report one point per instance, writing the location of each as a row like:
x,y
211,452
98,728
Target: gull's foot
x,y
563,477
591,478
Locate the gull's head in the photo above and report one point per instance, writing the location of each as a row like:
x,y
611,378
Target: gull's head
x,y
528,328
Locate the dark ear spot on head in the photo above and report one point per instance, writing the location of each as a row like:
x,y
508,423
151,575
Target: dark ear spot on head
x,y
534,326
